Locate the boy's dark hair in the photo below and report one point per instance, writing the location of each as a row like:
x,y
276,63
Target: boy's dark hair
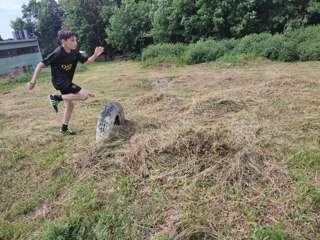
x,y
65,34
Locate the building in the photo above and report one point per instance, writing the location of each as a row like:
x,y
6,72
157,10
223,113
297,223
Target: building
x,y
19,54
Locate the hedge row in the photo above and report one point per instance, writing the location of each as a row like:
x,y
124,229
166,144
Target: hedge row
x,y
300,45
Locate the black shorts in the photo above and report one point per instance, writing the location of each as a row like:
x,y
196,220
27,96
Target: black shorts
x,y
72,88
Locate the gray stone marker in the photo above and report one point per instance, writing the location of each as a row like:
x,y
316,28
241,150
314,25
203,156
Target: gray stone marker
x,y
111,114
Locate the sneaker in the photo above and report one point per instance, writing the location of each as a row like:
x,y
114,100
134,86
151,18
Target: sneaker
x,y
54,102
68,132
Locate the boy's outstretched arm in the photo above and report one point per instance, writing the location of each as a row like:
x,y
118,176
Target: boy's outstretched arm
x,y
97,53
36,73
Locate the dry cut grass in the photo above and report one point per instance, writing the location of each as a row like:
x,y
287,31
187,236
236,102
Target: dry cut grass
x,y
218,154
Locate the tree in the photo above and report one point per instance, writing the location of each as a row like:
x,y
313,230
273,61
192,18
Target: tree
x,y
49,20
17,24
276,16
85,18
42,19
178,21
29,18
129,27
166,27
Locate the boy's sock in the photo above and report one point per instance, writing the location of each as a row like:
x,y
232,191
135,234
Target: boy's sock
x,y
64,127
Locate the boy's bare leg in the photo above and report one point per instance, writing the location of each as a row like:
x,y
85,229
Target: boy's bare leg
x,y
81,95
69,105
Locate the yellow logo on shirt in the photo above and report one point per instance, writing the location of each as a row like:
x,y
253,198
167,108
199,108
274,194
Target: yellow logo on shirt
x,y
66,67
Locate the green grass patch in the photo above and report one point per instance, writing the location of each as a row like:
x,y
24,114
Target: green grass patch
x,y
308,159
268,232
7,84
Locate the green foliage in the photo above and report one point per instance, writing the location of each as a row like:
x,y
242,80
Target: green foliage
x,y
308,158
165,24
129,27
307,42
24,77
233,59
261,232
88,20
38,17
21,78
195,53
309,50
75,228
208,51
29,17
81,68
254,44
163,51
49,14
22,208
112,221
17,24
301,44
8,231
272,47
13,157
316,199
115,223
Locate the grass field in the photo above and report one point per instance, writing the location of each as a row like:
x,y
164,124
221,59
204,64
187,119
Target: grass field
x,y
220,153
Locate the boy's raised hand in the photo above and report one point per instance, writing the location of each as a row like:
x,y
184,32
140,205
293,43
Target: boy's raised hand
x,y
98,51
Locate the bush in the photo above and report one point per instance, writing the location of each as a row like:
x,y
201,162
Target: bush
x,y
302,44
272,47
163,51
288,52
309,50
308,43
260,45
209,50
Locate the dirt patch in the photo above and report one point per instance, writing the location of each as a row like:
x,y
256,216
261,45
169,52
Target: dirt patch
x,y
152,98
161,82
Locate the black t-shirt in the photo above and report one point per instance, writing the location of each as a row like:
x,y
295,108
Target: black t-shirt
x,y
63,65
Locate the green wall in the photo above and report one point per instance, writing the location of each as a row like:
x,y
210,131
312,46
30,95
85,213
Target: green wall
x,y
8,63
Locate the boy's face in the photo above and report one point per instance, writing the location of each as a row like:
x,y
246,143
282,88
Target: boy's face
x,y
70,43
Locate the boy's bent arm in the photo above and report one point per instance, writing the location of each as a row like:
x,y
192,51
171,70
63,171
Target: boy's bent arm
x,y
36,73
97,53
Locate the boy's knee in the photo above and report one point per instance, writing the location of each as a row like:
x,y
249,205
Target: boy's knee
x,y
85,96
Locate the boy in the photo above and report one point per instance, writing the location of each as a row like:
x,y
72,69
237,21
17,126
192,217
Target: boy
x,y
63,61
